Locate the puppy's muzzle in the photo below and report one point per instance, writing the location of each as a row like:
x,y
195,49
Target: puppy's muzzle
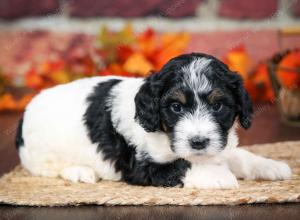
x,y
198,143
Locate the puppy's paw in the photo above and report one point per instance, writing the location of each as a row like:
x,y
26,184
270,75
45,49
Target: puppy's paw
x,y
268,169
246,165
210,177
79,174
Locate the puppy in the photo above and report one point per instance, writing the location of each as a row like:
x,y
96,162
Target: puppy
x,y
173,128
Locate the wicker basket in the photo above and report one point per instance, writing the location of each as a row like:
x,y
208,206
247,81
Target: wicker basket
x,y
282,94
288,101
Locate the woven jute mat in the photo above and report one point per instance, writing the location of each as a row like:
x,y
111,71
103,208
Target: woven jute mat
x,y
20,188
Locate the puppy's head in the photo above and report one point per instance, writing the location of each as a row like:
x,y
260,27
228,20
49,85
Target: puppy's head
x,y
195,100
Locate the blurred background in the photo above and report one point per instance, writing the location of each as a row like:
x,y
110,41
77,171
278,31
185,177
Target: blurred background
x,y
48,42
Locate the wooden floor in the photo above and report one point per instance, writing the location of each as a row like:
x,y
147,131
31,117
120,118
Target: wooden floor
x,y
266,128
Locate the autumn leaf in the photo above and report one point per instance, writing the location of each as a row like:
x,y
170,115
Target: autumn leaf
x,y
147,43
33,79
172,45
239,61
9,103
137,63
124,52
109,42
60,77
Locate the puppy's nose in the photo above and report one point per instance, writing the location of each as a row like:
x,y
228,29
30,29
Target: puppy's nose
x,y
198,143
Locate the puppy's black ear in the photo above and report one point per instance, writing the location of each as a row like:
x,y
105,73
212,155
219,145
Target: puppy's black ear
x,y
147,104
244,103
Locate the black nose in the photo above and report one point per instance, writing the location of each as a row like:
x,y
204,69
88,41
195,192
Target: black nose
x,y
198,143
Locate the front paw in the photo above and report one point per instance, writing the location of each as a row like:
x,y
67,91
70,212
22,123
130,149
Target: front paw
x,y
268,169
79,174
210,177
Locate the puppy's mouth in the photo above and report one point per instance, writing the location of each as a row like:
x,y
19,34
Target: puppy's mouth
x,y
205,153
199,155
199,158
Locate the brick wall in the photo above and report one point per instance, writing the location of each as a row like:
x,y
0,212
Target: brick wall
x,y
216,26
233,9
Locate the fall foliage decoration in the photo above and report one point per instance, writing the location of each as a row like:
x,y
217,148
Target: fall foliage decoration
x,y
288,73
9,103
259,84
256,79
125,53
238,60
51,73
122,53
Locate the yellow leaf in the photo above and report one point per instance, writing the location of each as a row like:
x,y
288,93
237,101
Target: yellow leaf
x,y
60,77
238,60
126,36
137,63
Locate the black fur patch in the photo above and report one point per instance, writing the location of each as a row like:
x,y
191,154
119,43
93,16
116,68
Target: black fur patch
x,y
145,172
115,148
19,142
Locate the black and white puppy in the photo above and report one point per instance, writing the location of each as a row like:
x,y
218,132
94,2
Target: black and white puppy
x,y
175,127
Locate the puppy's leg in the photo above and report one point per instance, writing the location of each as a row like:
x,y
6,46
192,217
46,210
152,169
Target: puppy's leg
x,y
249,166
79,174
181,173
210,176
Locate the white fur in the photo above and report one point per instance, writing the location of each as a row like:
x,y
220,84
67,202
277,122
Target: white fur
x,y
246,165
79,173
208,176
55,136
194,75
199,123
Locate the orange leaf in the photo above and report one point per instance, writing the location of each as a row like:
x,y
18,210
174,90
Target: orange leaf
x,y
137,63
238,60
147,42
7,102
172,44
33,79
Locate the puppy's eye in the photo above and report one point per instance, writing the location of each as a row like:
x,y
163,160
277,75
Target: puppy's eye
x,y
176,107
216,107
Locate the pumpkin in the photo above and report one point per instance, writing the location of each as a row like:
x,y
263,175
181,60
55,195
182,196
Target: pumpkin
x,y
288,72
259,84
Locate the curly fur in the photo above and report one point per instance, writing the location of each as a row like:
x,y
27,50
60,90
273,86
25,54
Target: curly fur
x,y
173,128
